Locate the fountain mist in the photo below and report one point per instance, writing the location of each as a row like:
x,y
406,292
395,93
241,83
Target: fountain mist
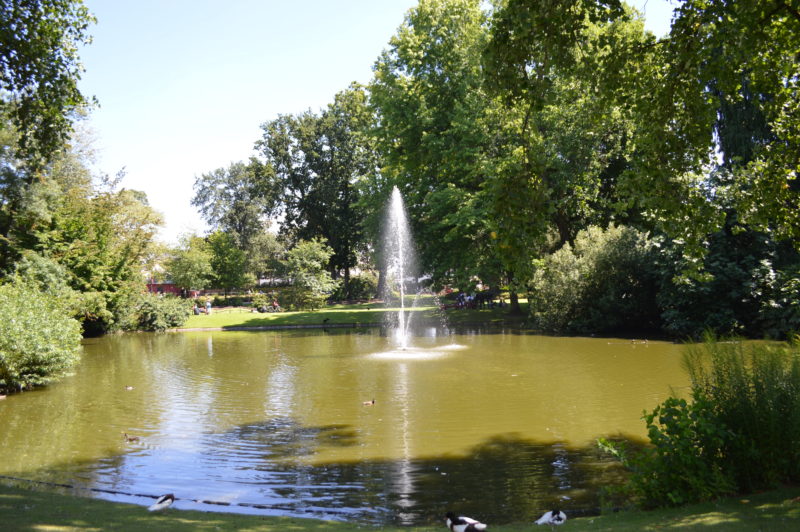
x,y
398,250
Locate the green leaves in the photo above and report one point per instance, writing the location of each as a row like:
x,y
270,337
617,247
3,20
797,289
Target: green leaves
x,y
38,340
190,265
39,43
311,283
318,162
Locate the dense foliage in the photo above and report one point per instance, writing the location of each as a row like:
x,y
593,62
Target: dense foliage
x,y
535,147
739,433
159,313
40,70
39,341
605,282
311,284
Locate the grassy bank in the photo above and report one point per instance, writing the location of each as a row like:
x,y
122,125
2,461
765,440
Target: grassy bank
x,y
24,509
355,314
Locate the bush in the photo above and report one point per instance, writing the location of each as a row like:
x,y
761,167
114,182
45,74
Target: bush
x,y
301,298
682,465
39,342
741,432
362,286
754,390
779,313
606,282
748,286
157,313
260,301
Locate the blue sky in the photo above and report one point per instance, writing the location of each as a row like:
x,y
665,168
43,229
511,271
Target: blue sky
x,y
184,85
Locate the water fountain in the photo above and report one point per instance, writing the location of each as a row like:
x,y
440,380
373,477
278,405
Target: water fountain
x,y
400,261
402,280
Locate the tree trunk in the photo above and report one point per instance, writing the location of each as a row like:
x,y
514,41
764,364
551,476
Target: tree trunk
x,y
515,309
381,281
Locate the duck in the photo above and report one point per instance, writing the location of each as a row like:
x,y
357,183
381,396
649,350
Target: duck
x,y
368,403
462,524
162,502
130,439
553,518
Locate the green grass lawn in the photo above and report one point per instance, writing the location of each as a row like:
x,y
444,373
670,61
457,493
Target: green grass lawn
x,y
337,315
28,510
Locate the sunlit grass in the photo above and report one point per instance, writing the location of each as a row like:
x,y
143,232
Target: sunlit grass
x,y
425,309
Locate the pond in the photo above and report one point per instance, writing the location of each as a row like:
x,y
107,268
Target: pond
x,y
496,424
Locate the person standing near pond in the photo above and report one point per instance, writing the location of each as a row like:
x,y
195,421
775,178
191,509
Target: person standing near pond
x,y
208,307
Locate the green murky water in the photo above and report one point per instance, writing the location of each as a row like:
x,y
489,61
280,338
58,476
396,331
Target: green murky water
x,y
499,425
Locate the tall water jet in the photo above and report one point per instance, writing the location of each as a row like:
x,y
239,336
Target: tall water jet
x,y
400,264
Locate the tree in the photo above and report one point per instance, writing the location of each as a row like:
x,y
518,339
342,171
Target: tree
x,y
433,132
40,70
317,161
190,265
265,255
675,89
96,232
237,199
228,262
310,281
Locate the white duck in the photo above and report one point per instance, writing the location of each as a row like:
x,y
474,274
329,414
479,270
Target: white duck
x,y
553,518
463,524
162,502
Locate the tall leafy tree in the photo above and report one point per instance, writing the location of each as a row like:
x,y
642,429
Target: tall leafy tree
x,y
676,88
433,130
490,171
317,161
40,70
228,262
97,233
190,264
306,264
238,199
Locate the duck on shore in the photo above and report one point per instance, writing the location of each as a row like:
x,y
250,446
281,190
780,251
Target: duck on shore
x,y
463,524
162,502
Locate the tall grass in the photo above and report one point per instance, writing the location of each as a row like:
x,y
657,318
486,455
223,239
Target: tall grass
x,y
739,433
754,392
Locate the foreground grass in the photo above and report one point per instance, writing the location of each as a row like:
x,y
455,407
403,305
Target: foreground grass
x,y
344,315
24,509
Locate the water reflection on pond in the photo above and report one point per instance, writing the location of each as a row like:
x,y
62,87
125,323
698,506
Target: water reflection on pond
x,y
496,424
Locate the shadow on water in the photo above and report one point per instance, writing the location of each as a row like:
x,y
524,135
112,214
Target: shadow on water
x,y
275,423
259,468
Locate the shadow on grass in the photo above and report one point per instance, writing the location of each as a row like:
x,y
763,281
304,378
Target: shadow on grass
x,y
40,510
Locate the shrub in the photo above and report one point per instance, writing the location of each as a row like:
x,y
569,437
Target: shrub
x,y
362,286
156,313
748,285
754,391
682,465
260,301
740,433
38,340
300,298
779,313
605,282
